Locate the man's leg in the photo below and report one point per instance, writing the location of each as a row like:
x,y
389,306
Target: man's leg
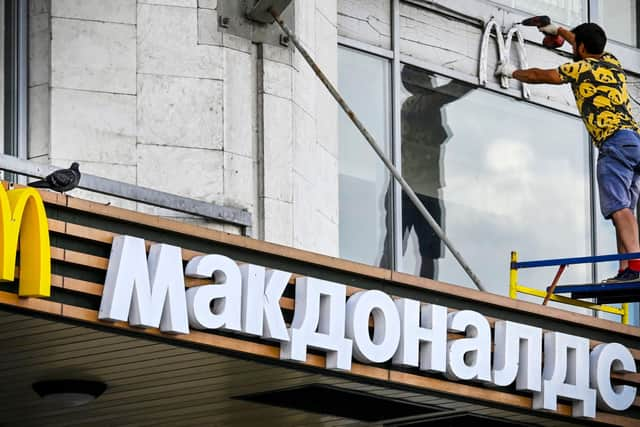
x,y
387,247
627,234
428,268
634,194
430,244
618,185
624,264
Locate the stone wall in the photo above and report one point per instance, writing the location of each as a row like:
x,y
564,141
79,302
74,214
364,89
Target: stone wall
x,y
151,92
455,44
367,21
39,79
93,76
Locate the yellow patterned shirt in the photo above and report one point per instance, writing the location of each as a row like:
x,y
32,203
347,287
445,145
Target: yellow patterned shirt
x,y
599,86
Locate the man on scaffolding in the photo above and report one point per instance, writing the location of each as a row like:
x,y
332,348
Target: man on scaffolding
x,y
598,83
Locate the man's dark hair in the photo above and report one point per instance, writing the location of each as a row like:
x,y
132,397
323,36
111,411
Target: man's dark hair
x,y
592,36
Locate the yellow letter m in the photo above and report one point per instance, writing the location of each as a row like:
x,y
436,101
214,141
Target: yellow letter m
x,y
23,218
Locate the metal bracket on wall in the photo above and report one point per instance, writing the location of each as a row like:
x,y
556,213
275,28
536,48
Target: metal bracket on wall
x,y
261,10
234,216
234,14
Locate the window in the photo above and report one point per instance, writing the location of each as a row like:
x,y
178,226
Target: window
x,y
619,18
568,12
364,81
479,163
14,69
497,173
494,180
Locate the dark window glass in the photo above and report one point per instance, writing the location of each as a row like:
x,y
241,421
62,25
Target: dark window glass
x,y
498,175
364,81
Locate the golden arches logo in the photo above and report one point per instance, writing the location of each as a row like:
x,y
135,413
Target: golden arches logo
x,y
504,52
24,220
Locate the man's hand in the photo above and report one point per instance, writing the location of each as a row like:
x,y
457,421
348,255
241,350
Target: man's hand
x,y
505,69
550,29
567,35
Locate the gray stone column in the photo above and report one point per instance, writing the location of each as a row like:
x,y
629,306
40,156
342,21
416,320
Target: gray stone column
x,y
152,92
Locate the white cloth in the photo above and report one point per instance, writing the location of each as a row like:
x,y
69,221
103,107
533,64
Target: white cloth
x,y
505,69
551,29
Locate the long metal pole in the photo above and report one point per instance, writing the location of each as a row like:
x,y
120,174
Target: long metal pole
x,y
405,186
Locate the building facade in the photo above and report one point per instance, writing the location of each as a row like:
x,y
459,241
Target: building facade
x,y
192,99
133,90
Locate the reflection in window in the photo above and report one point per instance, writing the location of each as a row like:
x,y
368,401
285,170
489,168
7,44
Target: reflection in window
x,y
494,181
364,81
569,12
618,18
424,131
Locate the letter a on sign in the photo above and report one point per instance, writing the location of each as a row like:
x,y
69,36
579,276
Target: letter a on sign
x,y
22,216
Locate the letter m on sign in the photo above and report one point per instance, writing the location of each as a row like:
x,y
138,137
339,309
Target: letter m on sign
x,y
23,219
504,53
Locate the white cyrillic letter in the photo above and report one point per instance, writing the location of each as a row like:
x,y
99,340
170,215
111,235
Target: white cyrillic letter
x,y
517,355
566,361
319,322
386,326
607,358
226,294
261,314
423,336
469,358
149,294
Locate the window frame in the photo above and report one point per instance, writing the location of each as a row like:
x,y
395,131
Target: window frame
x,y
390,216
16,81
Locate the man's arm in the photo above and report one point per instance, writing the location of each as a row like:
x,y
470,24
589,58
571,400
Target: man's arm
x,y
538,75
553,29
530,75
567,35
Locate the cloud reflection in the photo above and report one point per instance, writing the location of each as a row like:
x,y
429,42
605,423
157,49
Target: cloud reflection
x,y
516,178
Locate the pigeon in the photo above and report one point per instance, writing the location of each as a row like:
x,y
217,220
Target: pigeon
x,y
61,180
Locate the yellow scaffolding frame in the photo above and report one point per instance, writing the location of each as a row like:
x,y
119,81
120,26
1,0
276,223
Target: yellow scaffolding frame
x,y
515,288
